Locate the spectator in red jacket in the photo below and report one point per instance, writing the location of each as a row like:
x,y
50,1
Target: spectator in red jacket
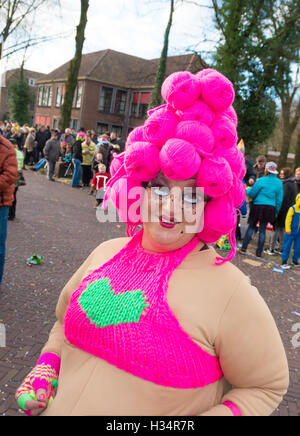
x,y
8,177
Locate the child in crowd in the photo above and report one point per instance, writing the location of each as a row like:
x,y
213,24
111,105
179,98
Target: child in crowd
x,y
292,234
99,182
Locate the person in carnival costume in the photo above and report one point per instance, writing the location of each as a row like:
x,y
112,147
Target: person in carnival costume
x,y
157,323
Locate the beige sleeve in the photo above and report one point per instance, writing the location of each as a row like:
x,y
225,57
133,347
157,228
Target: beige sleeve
x,y
251,355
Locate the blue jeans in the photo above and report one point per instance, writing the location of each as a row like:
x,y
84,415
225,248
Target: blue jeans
x,y
261,238
287,245
77,172
3,232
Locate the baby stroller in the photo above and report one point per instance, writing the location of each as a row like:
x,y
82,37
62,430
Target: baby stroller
x,y
68,162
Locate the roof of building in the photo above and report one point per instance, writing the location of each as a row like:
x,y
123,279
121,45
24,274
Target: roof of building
x,y
14,75
109,66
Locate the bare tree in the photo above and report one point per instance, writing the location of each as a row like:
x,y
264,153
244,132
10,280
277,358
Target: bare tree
x,y
161,71
74,67
14,15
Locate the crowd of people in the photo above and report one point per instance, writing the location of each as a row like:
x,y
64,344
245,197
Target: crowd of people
x,y
89,154
273,198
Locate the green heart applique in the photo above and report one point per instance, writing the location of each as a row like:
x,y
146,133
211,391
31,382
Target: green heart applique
x,y
103,308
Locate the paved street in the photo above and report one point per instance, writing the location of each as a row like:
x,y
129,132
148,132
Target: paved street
x,y
59,223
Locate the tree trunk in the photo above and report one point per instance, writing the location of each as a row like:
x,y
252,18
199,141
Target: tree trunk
x,y
297,156
66,109
156,99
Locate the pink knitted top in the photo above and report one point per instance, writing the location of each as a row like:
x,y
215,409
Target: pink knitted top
x,y
120,313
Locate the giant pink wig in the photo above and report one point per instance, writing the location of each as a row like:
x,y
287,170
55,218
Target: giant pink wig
x,y
193,135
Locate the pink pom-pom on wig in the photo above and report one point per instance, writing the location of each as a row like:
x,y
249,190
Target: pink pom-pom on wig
x,y
231,114
181,89
142,161
116,163
236,160
205,72
224,132
198,134
238,192
217,91
179,159
215,176
199,111
160,126
136,135
127,196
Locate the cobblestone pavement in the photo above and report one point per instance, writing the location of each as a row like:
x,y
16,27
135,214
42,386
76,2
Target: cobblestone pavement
x,y
59,223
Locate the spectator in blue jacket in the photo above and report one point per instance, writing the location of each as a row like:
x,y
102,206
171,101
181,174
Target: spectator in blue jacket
x,y
267,194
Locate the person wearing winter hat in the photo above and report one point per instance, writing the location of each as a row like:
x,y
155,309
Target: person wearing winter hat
x,y
267,194
157,323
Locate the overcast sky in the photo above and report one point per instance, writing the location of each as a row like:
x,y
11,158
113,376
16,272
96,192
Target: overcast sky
x,y
134,27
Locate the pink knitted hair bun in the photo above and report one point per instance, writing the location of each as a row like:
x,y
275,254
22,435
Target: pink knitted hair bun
x,y
136,135
215,176
231,114
196,133
181,89
142,161
121,195
198,111
160,126
224,132
235,158
116,163
217,91
238,192
179,159
205,72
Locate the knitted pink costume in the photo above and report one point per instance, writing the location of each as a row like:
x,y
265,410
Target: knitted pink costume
x,y
120,313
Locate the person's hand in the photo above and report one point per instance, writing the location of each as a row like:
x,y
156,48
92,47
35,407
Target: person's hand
x,y
251,182
288,233
36,392
34,403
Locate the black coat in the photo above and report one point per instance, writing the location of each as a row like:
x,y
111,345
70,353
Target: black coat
x,y
76,150
289,197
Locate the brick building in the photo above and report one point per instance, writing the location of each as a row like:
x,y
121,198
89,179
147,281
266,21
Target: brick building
x,y
113,90
12,76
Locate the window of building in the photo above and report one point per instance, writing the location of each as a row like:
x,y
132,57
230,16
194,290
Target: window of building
x,y
134,104
139,104
74,124
143,106
117,130
45,96
60,95
55,123
101,128
120,103
105,99
77,97
31,82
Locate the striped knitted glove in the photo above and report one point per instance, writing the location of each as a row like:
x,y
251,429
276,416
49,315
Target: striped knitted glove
x,y
45,373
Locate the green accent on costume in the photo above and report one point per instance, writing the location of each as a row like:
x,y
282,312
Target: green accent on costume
x,y
55,384
24,398
223,243
103,308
